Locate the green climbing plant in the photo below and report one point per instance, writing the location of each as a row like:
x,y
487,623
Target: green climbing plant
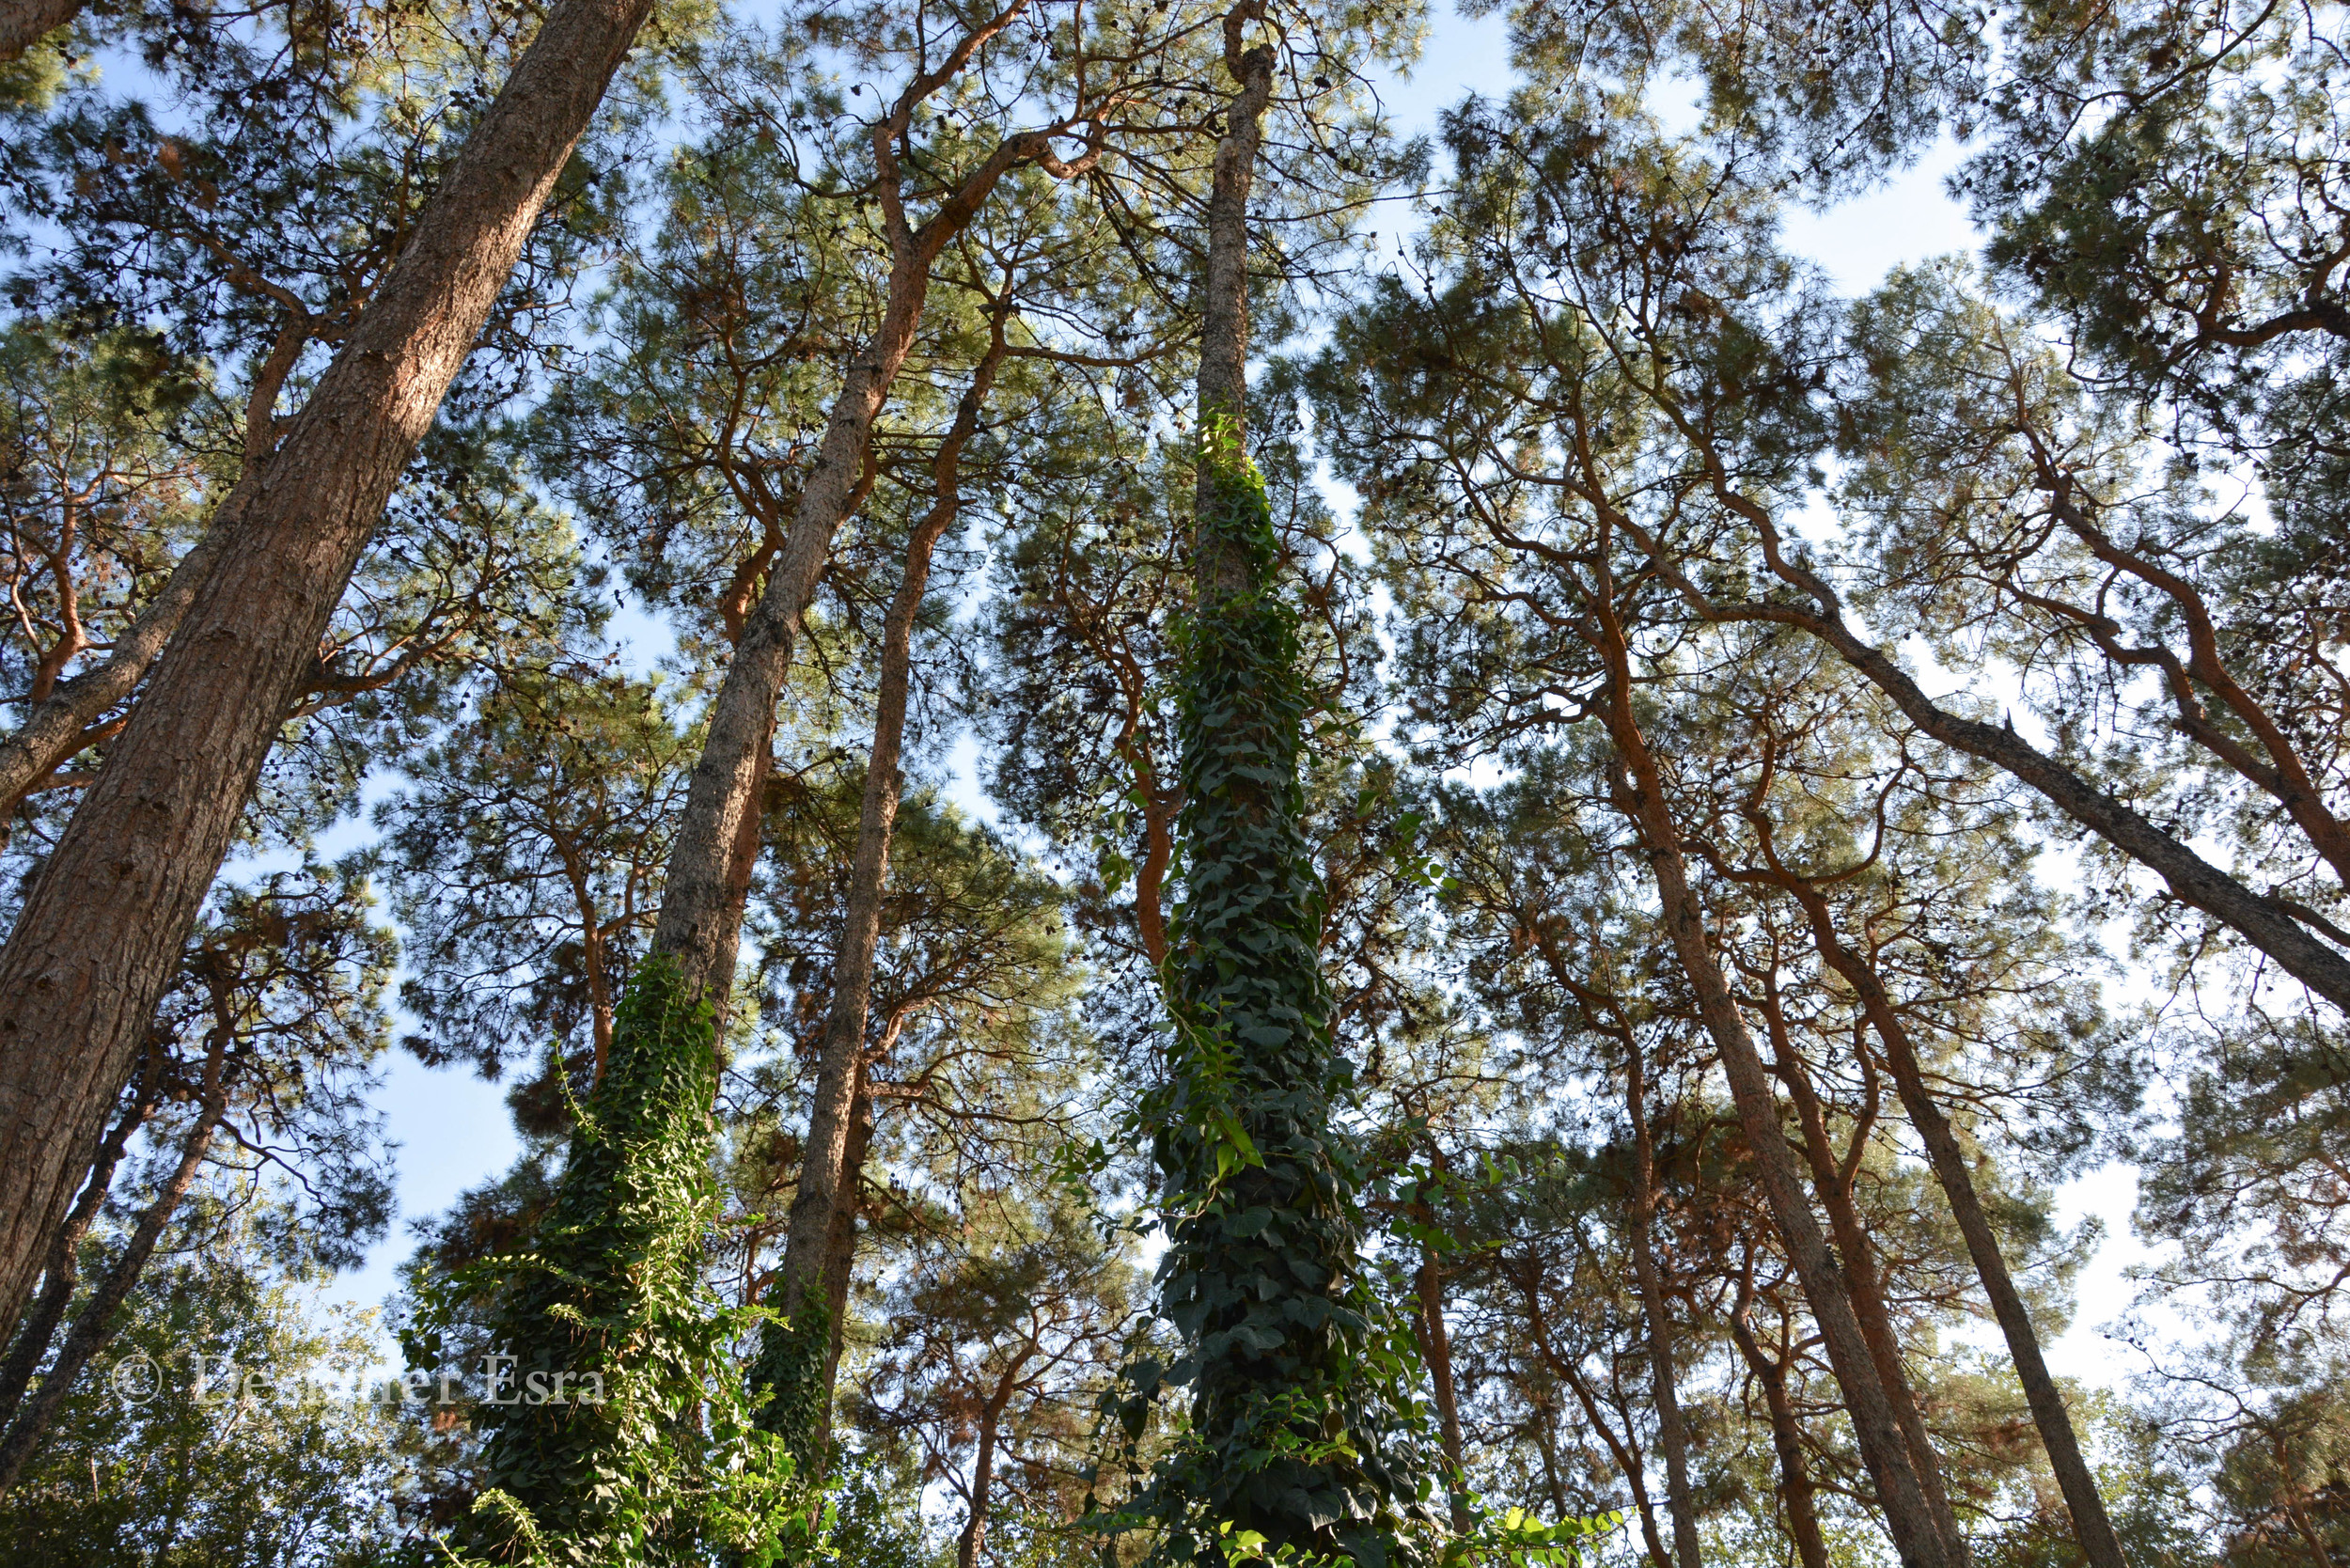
x,y
788,1384
620,1430
1301,1433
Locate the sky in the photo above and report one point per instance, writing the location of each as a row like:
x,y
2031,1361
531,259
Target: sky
x,y
451,1127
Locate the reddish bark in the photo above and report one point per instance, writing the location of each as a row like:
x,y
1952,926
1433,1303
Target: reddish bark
x,y
25,23
102,925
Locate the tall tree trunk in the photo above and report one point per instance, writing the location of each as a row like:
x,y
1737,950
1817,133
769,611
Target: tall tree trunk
x,y
841,1048
840,1118
1253,1064
1223,386
61,1273
1640,796
1833,1184
1795,1487
840,1248
1671,1432
1435,1348
102,924
94,1326
2091,1526
25,23
984,1471
708,872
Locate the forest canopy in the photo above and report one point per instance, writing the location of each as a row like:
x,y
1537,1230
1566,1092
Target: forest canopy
x,y
1211,781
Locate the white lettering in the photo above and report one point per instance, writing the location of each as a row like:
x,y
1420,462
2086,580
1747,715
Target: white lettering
x,y
204,1380
499,1369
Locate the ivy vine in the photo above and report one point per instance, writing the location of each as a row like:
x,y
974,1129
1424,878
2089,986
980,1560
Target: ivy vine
x,y
789,1382
1301,1437
667,1466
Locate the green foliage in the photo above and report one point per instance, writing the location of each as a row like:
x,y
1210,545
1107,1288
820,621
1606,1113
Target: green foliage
x,y
789,1381
214,1469
652,1456
998,1338
282,987
971,991
1298,1429
525,859
877,1516
96,496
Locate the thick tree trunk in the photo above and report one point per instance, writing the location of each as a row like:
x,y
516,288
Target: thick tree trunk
x,y
1252,1061
1435,1348
1673,1434
1795,1488
94,1327
25,23
102,924
61,1273
59,725
1640,796
840,1058
2091,1524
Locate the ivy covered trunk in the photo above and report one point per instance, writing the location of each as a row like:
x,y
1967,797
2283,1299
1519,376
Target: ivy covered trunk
x,y
612,1427
1284,1360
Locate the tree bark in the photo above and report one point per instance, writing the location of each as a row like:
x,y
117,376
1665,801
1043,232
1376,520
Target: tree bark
x,y
26,22
840,1248
1640,796
1672,1432
2091,1524
840,1057
1223,386
1797,1490
708,877
1435,1348
984,1471
60,1274
1834,1187
94,1327
103,922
